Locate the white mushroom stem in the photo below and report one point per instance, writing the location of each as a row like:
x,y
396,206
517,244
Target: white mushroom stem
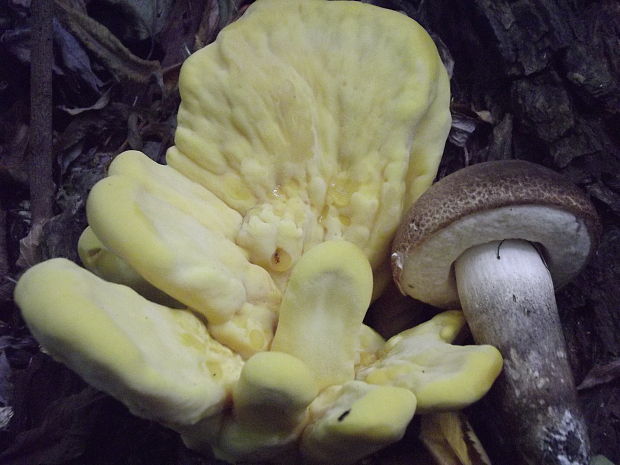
x,y
507,295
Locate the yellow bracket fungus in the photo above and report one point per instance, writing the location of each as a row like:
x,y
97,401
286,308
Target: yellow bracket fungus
x,y
441,375
227,289
161,362
355,419
110,267
270,410
323,308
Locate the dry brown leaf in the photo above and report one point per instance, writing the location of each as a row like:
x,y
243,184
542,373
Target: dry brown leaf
x,y
451,440
601,374
102,43
30,247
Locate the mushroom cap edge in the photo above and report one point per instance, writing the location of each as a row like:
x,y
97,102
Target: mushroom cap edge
x,y
509,189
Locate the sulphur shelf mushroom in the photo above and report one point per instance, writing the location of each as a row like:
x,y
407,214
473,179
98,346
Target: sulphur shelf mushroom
x,y
304,132
498,237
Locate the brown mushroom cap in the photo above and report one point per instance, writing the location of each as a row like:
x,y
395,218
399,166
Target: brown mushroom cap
x,y
498,200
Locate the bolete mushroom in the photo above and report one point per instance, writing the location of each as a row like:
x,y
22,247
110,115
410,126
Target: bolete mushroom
x,y
498,237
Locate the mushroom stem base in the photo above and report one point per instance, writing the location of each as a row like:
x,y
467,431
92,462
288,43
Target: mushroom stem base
x,y
507,295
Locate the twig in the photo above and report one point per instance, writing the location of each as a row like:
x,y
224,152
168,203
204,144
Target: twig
x,y
5,287
40,156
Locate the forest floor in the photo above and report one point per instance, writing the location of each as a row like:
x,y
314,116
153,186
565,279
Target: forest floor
x,y
537,80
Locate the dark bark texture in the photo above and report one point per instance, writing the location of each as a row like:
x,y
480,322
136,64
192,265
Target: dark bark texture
x,y
547,72
41,158
537,80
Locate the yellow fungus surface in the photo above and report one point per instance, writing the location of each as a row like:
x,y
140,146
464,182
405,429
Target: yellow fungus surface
x,y
162,363
304,132
290,133
441,375
179,237
353,420
322,126
323,308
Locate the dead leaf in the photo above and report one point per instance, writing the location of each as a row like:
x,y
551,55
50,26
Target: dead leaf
x,y
6,415
101,103
216,15
61,233
463,126
74,57
20,346
29,247
601,374
104,45
451,440
444,54
484,115
147,17
87,133
5,380
61,436
16,41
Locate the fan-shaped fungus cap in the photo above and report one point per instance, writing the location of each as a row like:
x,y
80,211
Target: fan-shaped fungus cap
x,y
323,308
296,129
442,376
270,410
498,236
180,238
287,136
160,362
353,420
304,122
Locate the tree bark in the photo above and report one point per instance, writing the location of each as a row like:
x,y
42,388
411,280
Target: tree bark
x,y
41,161
539,79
